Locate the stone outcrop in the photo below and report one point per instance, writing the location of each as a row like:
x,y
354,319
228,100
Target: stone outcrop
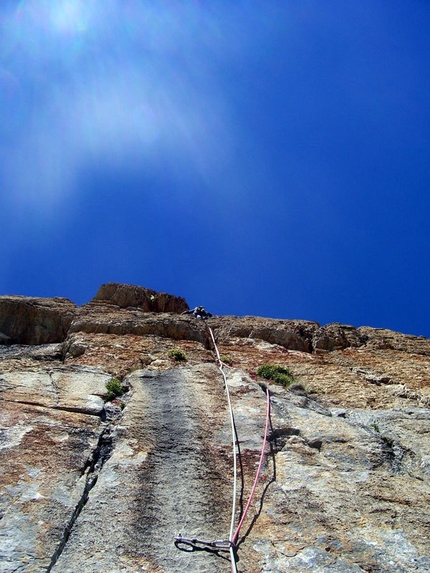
x,y
50,443
126,296
32,320
72,388
338,337
307,336
340,501
103,319
89,485
291,334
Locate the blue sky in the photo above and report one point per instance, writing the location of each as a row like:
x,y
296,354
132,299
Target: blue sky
x,y
262,158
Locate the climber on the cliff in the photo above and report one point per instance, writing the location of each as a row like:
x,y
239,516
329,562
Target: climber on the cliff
x,y
198,312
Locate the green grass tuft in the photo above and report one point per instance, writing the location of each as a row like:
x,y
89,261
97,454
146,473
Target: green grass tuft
x,y
177,354
114,389
279,374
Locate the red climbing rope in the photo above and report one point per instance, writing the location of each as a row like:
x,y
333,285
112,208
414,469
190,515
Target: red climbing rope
x,y
229,545
257,476
234,536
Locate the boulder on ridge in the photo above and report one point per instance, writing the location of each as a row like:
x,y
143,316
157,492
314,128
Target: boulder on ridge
x,y
126,296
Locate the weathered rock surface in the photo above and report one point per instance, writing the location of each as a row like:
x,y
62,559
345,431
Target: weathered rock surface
x,y
351,492
73,388
32,320
146,299
87,485
169,473
45,460
103,319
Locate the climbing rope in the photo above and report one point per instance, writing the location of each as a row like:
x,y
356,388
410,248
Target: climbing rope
x,y
231,544
235,535
257,475
233,439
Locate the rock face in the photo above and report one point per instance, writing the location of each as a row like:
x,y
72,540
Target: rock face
x,y
126,296
31,320
89,485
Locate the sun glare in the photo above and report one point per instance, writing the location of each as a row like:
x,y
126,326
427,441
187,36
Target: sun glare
x,y
70,16
112,85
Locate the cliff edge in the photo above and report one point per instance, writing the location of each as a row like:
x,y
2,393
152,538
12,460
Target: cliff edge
x,y
115,439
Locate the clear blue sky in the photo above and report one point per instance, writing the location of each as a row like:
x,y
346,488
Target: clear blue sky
x,y
267,158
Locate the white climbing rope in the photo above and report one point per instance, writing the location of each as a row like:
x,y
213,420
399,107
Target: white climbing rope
x,y
233,437
229,544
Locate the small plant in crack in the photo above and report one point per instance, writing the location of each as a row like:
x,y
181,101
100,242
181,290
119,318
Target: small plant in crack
x,y
177,354
226,360
375,427
120,403
114,389
279,374
312,390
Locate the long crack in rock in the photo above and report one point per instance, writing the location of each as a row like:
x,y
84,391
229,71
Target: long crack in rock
x,y
164,478
91,470
345,490
42,483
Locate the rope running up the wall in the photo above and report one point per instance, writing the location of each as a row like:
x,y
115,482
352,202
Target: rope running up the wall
x,y
233,435
229,545
234,534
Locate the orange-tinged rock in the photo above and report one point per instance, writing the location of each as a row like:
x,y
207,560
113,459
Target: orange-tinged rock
x,y
32,320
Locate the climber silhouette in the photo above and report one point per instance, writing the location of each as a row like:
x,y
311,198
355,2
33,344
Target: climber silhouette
x,y
199,312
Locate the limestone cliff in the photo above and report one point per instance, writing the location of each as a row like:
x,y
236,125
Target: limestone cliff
x,y
92,485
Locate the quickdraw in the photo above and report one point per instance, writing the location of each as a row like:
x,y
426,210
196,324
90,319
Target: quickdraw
x,y
227,545
191,545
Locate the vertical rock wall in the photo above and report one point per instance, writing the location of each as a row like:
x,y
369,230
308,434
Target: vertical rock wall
x,y
88,485
165,477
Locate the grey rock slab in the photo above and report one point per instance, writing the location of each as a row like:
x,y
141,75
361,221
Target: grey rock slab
x,y
170,474
338,502
75,388
160,481
40,352
336,494
404,435
43,453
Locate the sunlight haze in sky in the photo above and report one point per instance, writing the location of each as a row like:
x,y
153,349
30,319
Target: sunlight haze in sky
x,y
263,158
